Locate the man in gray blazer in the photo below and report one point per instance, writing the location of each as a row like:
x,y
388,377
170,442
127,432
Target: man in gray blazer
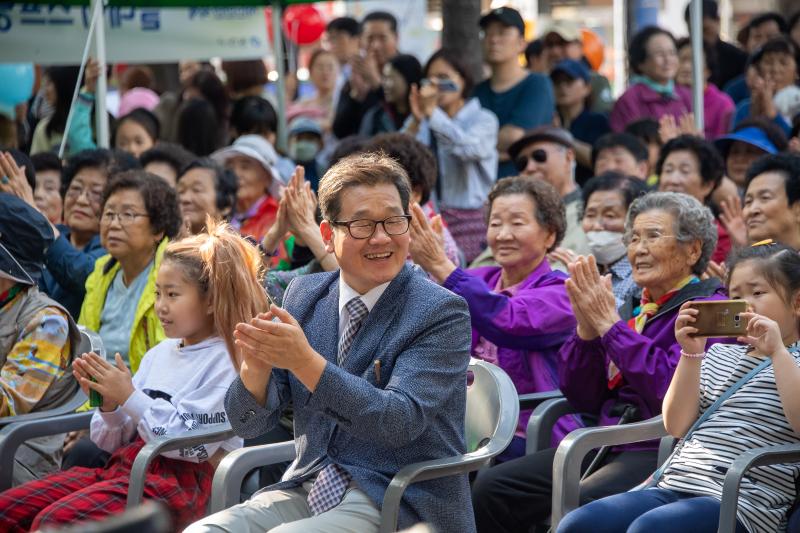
x,y
374,360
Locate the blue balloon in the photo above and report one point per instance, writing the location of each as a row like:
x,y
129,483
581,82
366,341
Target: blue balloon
x,y
16,83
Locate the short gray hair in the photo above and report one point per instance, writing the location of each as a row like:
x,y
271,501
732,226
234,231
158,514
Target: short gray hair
x,y
693,221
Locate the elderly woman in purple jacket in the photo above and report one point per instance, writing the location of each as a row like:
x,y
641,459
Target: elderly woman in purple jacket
x,y
520,311
652,92
616,364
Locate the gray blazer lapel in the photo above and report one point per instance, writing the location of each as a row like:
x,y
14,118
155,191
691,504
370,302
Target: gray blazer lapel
x,y
365,346
322,329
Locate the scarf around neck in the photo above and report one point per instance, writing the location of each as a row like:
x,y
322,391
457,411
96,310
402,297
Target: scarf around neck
x,y
646,310
666,90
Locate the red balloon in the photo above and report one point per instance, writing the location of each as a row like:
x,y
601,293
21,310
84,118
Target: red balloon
x,y
303,24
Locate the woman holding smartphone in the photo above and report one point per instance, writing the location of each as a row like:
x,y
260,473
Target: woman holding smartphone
x,y
463,137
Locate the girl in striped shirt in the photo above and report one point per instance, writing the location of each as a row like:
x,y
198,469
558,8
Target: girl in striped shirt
x,y
765,411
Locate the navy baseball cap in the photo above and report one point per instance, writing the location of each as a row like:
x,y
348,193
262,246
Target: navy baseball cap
x,y
572,68
25,236
752,135
507,16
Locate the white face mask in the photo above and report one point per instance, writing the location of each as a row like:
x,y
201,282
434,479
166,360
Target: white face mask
x,y
606,246
303,151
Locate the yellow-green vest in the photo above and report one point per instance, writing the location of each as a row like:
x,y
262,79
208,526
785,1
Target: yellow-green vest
x,y
147,330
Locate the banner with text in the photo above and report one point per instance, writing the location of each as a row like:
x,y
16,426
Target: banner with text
x,y
56,33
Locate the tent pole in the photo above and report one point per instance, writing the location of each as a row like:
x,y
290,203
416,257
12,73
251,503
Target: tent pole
x,y
102,127
84,58
277,46
698,80
618,15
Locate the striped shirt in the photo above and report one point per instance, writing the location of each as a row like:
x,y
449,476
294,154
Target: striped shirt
x,y
751,418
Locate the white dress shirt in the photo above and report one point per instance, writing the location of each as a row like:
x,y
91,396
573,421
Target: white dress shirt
x,y
347,293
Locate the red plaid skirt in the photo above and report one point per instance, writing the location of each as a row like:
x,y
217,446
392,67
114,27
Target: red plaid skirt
x,y
80,494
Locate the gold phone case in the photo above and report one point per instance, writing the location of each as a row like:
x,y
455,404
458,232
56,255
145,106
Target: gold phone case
x,y
720,318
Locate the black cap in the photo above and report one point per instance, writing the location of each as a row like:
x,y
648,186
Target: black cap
x,y
542,133
25,236
507,16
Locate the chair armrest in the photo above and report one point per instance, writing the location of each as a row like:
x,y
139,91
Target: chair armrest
x,y
227,484
665,448
423,471
533,399
76,401
769,455
575,446
159,445
543,419
13,435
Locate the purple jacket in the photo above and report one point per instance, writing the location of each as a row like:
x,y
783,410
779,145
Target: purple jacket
x,y
528,328
718,110
640,101
647,362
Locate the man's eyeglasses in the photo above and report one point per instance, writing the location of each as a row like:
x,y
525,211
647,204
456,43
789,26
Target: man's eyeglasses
x,y
540,156
364,228
125,219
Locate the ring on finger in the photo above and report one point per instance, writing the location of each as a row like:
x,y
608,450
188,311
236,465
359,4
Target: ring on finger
x,y
4,180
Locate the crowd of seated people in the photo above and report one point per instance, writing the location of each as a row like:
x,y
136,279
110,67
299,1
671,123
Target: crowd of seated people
x,y
333,291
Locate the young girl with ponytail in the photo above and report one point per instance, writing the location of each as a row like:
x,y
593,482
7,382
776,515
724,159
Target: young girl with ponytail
x,y
206,284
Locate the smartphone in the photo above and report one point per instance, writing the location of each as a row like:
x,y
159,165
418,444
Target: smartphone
x,y
720,318
443,85
95,398
446,86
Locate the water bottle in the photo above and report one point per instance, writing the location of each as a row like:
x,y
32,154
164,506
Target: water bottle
x,y
95,398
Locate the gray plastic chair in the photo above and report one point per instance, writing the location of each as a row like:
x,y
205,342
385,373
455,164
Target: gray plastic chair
x,y
64,419
11,437
770,455
532,400
539,432
575,446
570,454
491,419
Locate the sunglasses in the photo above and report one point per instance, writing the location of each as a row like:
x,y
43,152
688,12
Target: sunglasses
x,y
540,156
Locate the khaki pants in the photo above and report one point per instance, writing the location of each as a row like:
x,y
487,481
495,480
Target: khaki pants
x,y
286,511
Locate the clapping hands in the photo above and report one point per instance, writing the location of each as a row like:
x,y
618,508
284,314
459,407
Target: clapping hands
x,y
591,297
295,210
427,245
13,180
114,382
669,128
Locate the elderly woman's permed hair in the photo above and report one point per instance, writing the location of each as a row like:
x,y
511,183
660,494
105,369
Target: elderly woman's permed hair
x,y
693,221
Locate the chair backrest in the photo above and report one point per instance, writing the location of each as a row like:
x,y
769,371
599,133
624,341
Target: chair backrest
x,y
90,342
492,408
